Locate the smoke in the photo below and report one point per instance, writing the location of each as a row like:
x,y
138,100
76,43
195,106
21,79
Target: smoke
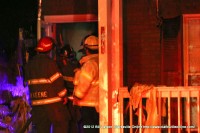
x,y
17,89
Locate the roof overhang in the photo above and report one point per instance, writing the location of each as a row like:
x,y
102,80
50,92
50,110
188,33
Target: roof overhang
x,y
70,18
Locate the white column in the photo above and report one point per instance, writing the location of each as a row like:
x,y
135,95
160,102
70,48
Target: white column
x,y
111,66
39,19
116,61
104,40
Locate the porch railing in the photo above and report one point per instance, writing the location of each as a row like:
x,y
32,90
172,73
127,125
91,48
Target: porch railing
x,y
181,107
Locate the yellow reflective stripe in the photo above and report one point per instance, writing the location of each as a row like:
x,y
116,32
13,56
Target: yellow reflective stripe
x,y
86,75
55,76
86,103
38,81
78,93
95,83
44,80
75,82
66,78
46,101
62,93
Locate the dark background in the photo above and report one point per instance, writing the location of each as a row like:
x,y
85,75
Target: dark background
x,y
15,14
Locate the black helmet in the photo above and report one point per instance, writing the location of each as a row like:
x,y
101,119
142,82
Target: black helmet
x,y
67,51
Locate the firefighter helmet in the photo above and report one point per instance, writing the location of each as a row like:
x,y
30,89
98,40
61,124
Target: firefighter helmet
x,y
91,42
45,44
67,51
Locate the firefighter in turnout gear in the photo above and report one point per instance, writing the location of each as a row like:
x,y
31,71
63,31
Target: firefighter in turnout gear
x,y
68,63
47,91
86,90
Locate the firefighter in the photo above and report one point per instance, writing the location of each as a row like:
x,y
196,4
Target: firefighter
x,y
68,64
86,90
47,91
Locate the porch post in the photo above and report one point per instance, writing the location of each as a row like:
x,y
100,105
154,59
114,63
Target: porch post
x,y
110,63
116,62
39,19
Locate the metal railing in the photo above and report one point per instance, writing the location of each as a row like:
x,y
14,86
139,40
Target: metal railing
x,y
180,104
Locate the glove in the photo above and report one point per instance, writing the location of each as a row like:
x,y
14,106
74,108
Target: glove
x,y
65,100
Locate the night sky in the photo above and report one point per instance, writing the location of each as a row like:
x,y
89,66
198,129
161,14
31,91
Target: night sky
x,y
15,14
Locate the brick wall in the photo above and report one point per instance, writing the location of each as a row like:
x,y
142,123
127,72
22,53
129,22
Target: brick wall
x,y
141,43
148,60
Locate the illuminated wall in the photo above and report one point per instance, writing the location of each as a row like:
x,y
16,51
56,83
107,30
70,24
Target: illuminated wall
x,y
73,33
